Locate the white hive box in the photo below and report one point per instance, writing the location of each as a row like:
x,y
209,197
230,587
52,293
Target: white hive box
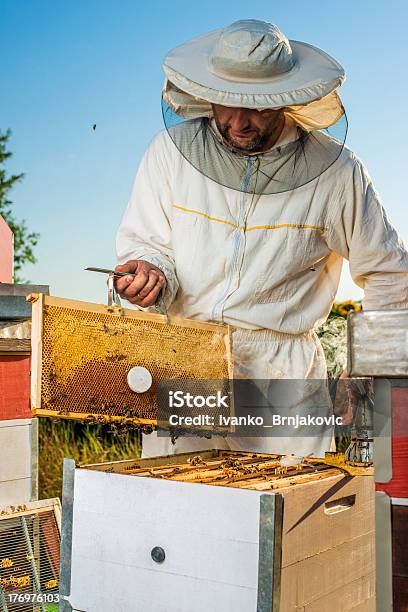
x,y
217,531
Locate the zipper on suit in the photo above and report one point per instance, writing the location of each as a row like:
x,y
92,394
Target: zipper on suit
x,y
238,243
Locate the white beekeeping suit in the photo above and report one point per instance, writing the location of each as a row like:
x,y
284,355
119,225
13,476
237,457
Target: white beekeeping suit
x,y
266,260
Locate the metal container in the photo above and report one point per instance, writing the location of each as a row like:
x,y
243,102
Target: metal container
x,y
378,343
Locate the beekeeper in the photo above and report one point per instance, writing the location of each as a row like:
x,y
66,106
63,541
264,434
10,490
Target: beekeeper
x,y
244,207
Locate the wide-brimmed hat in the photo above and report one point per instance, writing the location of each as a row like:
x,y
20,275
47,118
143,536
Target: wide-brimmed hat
x,y
251,64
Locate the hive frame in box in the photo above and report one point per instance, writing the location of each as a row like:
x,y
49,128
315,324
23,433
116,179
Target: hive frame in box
x,y
218,361
34,557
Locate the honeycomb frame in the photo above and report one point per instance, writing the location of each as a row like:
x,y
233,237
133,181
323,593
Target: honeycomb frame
x,y
81,353
30,536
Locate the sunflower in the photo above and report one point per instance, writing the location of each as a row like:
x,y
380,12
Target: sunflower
x,y
344,308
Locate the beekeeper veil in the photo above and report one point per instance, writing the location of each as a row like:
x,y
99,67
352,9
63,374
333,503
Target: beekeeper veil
x,y
251,64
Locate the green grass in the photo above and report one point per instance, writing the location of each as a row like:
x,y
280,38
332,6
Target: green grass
x,y
82,442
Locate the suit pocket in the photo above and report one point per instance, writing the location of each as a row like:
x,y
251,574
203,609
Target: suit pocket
x,y
267,291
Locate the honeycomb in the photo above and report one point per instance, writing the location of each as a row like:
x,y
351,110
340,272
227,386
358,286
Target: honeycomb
x,y
88,350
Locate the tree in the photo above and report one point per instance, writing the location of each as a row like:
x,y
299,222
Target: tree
x,y
24,240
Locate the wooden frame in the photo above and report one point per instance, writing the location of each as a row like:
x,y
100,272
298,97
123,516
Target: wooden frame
x,y
34,507
39,301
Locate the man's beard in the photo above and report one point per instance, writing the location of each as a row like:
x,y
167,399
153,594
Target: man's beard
x,y
257,143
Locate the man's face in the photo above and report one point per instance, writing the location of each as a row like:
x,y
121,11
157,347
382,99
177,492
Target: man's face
x,y
247,129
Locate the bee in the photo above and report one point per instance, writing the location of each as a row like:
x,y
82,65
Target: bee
x,y
20,581
128,411
6,563
51,584
63,412
113,429
195,460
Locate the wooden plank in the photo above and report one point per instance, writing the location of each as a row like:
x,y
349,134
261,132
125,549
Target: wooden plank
x,y
358,595
124,466
57,511
127,312
22,509
333,570
15,345
311,528
369,605
36,350
99,418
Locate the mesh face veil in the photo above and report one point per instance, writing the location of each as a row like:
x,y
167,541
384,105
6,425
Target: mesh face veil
x,y
283,168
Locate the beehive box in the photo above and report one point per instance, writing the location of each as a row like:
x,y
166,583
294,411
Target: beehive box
x,y
82,353
218,531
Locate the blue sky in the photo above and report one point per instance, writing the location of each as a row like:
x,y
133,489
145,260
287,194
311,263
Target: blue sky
x,y
68,65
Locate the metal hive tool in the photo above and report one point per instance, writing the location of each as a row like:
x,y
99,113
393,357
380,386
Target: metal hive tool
x,y
29,555
82,353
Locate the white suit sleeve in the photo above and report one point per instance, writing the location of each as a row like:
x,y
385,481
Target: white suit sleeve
x,y
361,232
145,231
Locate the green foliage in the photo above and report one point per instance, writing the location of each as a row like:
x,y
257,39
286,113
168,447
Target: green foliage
x,y
333,338
24,240
83,443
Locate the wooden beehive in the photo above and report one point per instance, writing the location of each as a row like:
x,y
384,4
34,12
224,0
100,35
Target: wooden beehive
x,y
227,531
82,352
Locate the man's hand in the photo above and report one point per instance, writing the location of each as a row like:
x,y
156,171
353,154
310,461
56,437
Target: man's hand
x,y
143,288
